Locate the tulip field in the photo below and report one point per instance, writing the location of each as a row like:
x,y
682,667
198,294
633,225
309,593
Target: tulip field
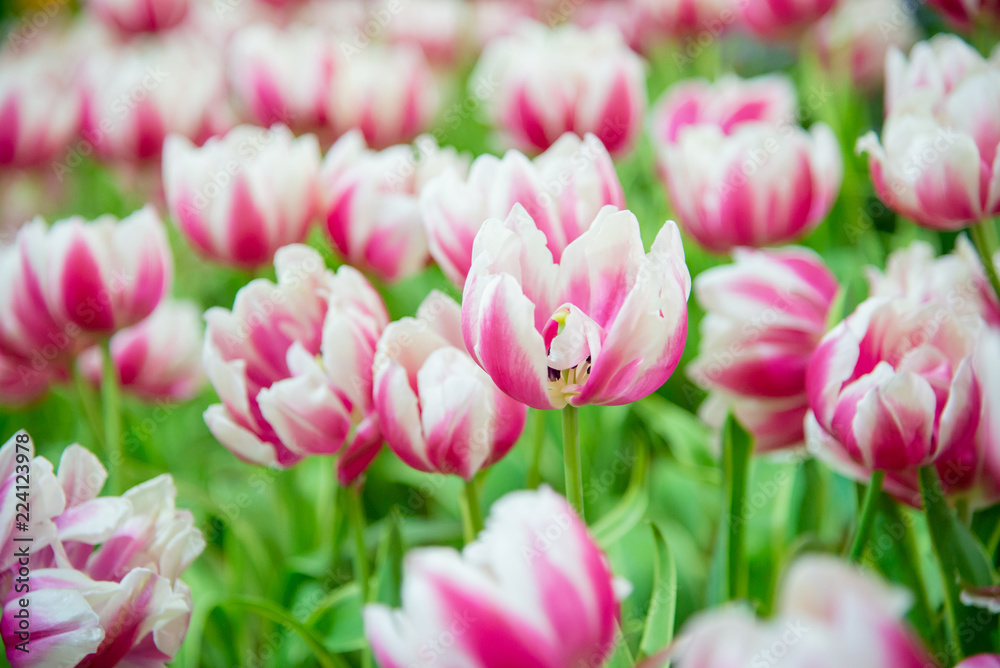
x,y
500,333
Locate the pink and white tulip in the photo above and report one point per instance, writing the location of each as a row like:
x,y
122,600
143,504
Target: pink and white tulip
x,y
133,16
738,170
854,39
371,202
292,365
606,324
388,92
436,27
38,116
828,614
102,587
765,315
140,92
532,590
894,387
567,79
438,411
782,18
937,162
562,189
981,661
967,14
661,19
283,75
157,359
18,465
241,197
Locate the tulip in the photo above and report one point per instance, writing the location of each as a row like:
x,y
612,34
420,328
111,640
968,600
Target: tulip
x,y
283,75
292,365
439,412
965,14
782,18
533,590
106,274
893,387
37,116
936,159
854,39
727,152
605,325
45,499
388,92
132,16
659,19
240,197
621,15
434,26
20,383
828,614
139,93
548,82
370,200
157,359
116,604
765,315
562,190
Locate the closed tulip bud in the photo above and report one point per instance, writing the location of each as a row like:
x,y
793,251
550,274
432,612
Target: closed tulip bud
x,y
133,16
738,171
936,160
533,590
765,315
283,75
157,359
605,325
241,197
371,202
439,412
562,189
893,387
388,92
542,83
292,365
779,19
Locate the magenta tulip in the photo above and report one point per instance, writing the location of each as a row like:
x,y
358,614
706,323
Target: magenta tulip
x,y
133,16
782,18
604,325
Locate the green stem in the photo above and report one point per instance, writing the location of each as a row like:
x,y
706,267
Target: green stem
x,y
906,543
535,472
472,516
983,238
937,519
111,402
571,458
866,518
90,408
362,572
737,465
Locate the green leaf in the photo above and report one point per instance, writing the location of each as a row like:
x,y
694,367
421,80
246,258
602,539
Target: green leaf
x,y
621,658
973,564
279,615
659,630
389,569
627,514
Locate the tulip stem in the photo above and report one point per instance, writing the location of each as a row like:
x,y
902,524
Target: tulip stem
x,y
535,472
111,402
571,458
866,518
983,238
472,516
90,407
356,517
937,519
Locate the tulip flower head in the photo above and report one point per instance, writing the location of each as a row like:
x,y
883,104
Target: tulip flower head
x,y
765,315
727,151
133,16
567,79
440,412
37,116
562,190
241,197
772,19
936,162
292,365
533,590
606,324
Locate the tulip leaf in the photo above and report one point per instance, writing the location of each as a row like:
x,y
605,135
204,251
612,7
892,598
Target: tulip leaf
x,y
389,569
621,658
627,514
659,630
971,560
279,615
737,444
